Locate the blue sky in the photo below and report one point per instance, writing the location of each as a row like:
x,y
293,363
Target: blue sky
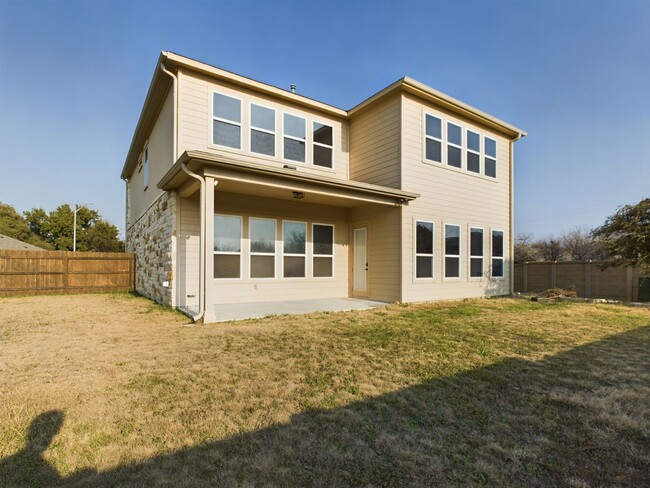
x,y
574,74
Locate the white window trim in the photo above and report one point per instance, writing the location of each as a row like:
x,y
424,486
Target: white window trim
x,y
416,254
478,153
314,255
231,253
305,140
305,255
252,127
445,255
473,256
427,136
232,122
495,158
452,144
502,258
252,253
314,143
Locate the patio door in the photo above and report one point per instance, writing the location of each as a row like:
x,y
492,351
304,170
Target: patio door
x,y
360,263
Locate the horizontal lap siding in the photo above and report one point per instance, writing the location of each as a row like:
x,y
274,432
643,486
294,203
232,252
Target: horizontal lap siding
x,y
451,197
374,144
189,252
383,249
266,290
160,160
195,124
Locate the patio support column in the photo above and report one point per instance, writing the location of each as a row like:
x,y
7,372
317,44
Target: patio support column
x,y
210,185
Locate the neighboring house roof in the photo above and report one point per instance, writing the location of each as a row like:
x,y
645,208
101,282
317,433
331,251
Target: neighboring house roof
x,y
10,244
161,82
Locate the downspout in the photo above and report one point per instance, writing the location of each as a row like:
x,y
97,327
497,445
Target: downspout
x,y
512,213
201,245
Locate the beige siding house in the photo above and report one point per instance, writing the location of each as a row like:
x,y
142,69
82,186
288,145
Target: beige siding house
x,y
241,192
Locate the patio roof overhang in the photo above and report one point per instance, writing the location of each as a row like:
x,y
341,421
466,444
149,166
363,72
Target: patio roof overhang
x,y
239,176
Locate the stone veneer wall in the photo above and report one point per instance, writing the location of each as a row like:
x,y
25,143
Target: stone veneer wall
x,y
150,238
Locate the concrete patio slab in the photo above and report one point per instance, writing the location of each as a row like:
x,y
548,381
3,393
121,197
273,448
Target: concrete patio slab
x,y
242,311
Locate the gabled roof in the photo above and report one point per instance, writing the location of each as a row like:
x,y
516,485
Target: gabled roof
x,y
10,244
161,82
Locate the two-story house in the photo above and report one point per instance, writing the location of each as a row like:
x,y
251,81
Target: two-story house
x,y
241,192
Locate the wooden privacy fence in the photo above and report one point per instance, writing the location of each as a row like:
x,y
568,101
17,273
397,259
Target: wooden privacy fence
x,y
61,272
585,278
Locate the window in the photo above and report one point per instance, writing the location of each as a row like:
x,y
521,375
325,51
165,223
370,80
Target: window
x,y
262,241
452,251
475,252
497,254
323,143
145,167
490,157
226,121
294,236
227,246
433,138
473,152
262,130
454,145
423,249
323,237
294,138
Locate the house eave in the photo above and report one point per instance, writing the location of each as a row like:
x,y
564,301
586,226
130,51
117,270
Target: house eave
x,y
424,92
228,168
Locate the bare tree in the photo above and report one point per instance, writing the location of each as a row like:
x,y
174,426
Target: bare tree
x,y
524,251
579,245
549,249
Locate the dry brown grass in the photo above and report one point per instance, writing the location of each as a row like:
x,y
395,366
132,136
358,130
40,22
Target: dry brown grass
x,y
481,392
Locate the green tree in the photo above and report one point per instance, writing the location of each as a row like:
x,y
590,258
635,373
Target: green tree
x,y
57,228
626,235
14,225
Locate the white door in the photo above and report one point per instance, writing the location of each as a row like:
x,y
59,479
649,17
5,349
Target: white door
x,y
360,261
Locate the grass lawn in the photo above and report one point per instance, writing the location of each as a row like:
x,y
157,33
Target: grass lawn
x,y
111,390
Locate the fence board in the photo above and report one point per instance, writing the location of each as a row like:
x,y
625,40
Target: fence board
x,y
58,272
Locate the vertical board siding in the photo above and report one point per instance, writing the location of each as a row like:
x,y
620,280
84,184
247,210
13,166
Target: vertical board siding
x,y
60,272
450,196
375,144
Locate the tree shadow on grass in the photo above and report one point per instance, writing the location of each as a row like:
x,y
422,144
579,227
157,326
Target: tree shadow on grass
x,y
579,418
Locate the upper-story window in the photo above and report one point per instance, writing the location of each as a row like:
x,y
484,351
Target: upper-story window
x,y
262,130
323,144
226,121
294,138
464,148
433,136
490,157
473,152
454,145
145,167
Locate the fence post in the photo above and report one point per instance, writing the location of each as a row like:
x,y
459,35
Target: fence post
x,y
553,274
588,279
525,268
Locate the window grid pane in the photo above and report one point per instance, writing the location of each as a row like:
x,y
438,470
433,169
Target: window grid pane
x,y
423,249
452,251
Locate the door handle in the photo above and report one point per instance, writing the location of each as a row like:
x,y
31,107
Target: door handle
x,y
366,266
